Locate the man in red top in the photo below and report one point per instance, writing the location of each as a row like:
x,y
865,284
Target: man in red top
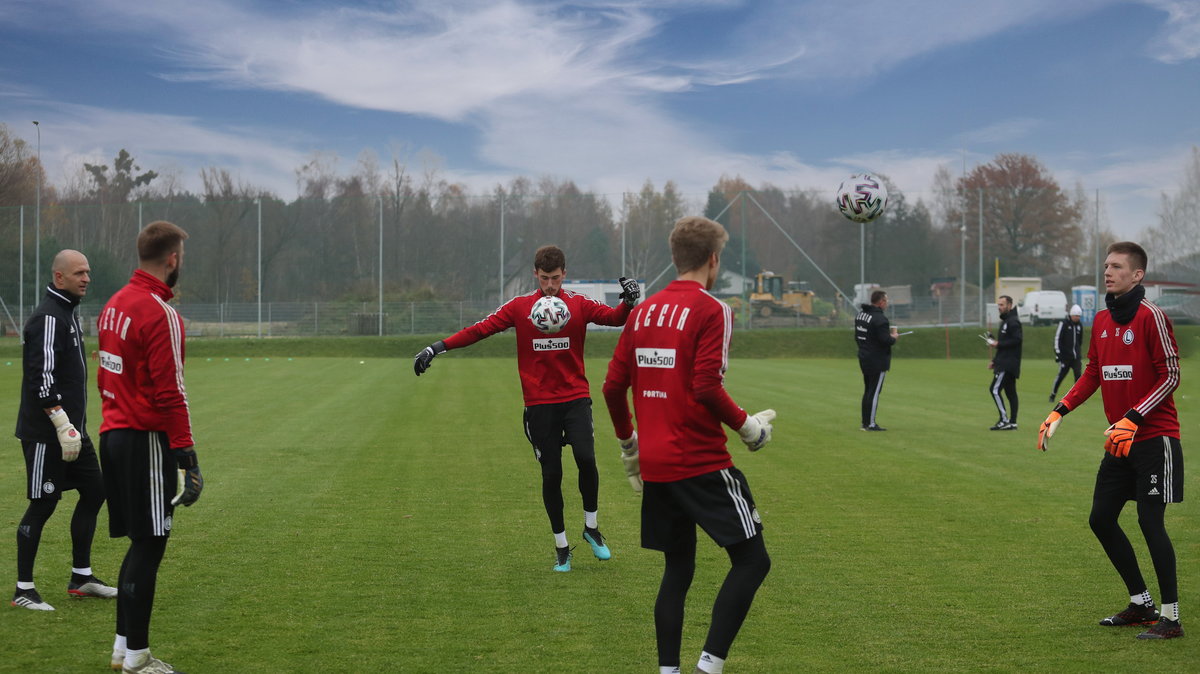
x,y
673,352
1133,360
146,434
558,404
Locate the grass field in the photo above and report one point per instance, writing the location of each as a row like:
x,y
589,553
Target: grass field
x,y
357,518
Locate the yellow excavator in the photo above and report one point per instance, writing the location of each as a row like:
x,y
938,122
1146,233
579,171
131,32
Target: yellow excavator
x,y
775,296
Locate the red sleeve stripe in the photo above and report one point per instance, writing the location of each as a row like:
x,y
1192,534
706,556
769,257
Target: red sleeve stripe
x,y
1171,382
176,346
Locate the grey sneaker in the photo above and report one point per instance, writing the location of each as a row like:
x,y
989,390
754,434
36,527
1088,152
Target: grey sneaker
x,y
150,665
30,599
90,586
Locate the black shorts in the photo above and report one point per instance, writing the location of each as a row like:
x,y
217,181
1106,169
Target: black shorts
x,y
719,502
47,476
1153,472
141,479
552,426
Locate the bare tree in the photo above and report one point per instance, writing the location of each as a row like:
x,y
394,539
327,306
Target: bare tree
x,y
1177,234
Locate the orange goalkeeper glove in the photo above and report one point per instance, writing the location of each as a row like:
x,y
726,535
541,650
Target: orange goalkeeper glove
x,y
1119,437
1050,425
1047,430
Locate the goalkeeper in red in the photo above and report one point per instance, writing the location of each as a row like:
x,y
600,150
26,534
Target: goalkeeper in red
x,y
1133,360
673,353
558,403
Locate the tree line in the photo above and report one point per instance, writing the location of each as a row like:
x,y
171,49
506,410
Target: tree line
x,y
439,241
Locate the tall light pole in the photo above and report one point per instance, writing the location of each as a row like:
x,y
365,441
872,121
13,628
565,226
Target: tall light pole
x,y
37,219
258,203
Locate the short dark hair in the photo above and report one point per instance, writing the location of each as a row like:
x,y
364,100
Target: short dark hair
x,y
878,296
549,258
158,240
1006,297
1137,254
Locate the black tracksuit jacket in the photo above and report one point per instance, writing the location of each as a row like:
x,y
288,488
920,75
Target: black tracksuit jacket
x,y
54,368
873,335
1008,347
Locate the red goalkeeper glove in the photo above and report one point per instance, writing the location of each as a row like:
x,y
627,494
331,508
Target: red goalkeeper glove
x,y
1119,437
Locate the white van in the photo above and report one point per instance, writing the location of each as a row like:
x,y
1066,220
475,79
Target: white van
x,y
1042,306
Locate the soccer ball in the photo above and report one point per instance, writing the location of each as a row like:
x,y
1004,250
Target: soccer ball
x,y
550,314
862,197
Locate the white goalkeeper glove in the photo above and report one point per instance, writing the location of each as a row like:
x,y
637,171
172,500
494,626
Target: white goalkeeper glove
x,y
68,438
629,456
756,432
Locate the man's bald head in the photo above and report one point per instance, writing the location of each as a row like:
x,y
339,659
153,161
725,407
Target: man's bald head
x,y
71,272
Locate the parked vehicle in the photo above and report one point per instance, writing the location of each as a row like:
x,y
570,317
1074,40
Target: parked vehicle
x,y
1042,306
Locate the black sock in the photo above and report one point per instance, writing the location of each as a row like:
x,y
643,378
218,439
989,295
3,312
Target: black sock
x,y
29,535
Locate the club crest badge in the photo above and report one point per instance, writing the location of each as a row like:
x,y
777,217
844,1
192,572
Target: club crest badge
x,y
1127,337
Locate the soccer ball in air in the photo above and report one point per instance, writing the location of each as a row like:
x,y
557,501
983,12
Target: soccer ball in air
x,y
862,197
550,314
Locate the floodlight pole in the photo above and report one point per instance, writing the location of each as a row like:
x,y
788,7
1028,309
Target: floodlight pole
x,y
21,273
962,274
862,256
982,317
381,265
1099,262
258,202
500,278
37,226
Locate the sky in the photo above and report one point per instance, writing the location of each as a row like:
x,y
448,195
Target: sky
x,y
612,93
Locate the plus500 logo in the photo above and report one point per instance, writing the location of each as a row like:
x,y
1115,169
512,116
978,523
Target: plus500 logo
x,y
1117,372
552,344
664,358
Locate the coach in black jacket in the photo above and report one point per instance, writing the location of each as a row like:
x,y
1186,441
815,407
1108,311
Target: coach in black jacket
x,y
1068,347
52,426
1006,364
875,339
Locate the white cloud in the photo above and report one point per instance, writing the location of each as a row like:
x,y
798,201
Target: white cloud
x,y
1179,39
1000,132
75,134
572,90
830,39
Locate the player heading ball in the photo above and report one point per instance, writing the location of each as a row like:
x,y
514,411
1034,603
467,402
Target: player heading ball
x,y
558,406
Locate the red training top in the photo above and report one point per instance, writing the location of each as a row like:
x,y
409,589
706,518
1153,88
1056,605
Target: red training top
x,y
1136,366
674,352
551,366
141,362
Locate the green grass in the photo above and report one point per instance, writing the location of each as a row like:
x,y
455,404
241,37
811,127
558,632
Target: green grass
x,y
357,518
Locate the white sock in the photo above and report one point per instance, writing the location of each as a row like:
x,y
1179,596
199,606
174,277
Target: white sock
x,y
1142,599
22,585
136,658
668,670
589,519
83,572
1170,611
119,644
560,539
710,663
